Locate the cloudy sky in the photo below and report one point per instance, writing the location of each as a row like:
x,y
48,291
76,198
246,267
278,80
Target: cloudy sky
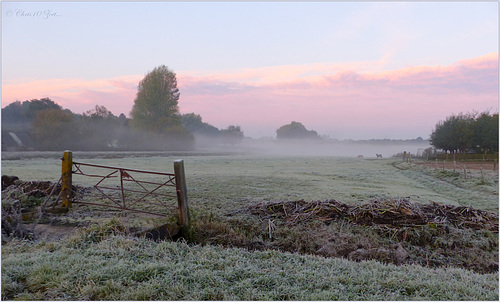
x,y
347,70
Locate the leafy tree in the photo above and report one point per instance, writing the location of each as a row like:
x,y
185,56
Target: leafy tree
x,y
454,134
156,111
19,116
54,130
486,133
98,129
295,130
195,125
99,112
31,108
156,104
232,135
13,118
465,132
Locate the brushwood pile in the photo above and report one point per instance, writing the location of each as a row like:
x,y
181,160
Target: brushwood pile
x,y
382,212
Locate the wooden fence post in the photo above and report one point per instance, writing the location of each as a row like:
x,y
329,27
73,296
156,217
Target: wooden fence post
x,y
67,166
182,199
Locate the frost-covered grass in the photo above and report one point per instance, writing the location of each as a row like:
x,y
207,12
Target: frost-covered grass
x,y
216,182
116,267
101,263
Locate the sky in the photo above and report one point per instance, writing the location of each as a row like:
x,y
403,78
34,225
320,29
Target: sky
x,y
348,70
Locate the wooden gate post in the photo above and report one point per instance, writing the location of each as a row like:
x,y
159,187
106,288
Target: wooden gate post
x,y
182,199
67,166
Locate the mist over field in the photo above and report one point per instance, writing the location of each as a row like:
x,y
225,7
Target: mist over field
x,y
308,147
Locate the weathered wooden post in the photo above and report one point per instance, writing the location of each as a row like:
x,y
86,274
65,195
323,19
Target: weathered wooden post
x,y
67,165
182,199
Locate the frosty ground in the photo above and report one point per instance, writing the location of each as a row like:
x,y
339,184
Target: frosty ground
x,y
222,188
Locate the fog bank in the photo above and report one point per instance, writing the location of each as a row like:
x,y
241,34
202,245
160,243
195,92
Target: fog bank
x,y
321,147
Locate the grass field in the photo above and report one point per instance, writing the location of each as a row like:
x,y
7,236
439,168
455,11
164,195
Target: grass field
x,y
230,181
233,255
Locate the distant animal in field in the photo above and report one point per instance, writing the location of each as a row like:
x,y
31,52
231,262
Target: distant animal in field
x,y
360,156
379,155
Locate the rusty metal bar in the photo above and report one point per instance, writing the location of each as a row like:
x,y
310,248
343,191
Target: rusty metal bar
x,y
134,191
152,193
120,208
171,180
145,190
105,177
80,172
126,169
99,194
106,195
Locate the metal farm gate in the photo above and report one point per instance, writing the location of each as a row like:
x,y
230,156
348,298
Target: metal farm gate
x,y
126,189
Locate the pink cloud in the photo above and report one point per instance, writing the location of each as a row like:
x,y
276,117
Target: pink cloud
x,y
339,99
409,100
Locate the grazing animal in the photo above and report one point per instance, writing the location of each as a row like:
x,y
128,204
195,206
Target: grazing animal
x,y
379,155
360,156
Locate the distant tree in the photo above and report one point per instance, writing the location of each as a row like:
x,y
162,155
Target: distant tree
x,y
295,130
13,117
454,134
19,116
54,130
98,129
123,119
156,111
232,135
156,104
485,136
99,112
193,122
31,108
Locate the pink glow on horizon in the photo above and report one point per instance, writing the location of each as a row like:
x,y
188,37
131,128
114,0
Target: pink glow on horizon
x,y
332,99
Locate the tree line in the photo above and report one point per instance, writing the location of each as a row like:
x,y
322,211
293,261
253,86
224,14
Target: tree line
x,y
467,132
154,124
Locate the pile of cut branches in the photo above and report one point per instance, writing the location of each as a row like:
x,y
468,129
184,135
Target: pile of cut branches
x,y
32,188
387,212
